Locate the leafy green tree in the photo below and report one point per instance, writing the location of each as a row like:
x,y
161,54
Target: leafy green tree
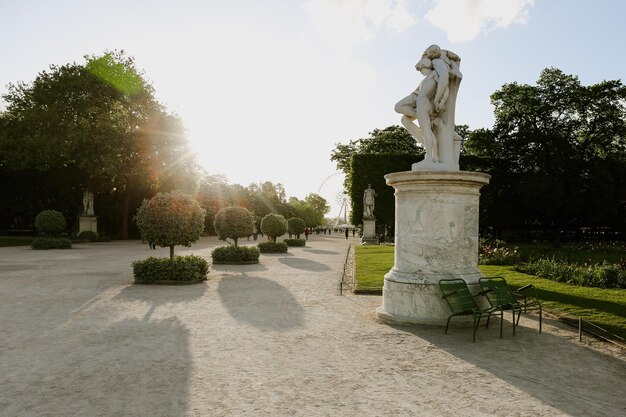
x,y
95,125
170,219
214,193
295,226
319,205
266,198
552,149
233,223
273,225
312,209
305,212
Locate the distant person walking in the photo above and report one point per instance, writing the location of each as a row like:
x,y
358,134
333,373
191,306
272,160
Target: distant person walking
x,y
346,233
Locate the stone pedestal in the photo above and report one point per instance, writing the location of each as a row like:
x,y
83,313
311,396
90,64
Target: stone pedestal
x,y
369,232
87,223
436,237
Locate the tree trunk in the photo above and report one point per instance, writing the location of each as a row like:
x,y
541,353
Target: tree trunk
x,y
125,204
171,253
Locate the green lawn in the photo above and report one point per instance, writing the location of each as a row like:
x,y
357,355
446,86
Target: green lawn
x,y
15,241
603,307
371,264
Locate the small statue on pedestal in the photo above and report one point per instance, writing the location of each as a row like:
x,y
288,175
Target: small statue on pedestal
x,y
368,202
88,203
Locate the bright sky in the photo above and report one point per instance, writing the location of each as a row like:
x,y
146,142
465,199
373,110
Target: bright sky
x,y
266,88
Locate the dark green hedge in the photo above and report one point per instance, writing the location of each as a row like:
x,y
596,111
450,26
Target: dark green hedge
x,y
153,270
273,247
371,169
295,242
51,243
235,255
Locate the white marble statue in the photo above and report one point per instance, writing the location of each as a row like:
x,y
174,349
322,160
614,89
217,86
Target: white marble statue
x,y
369,196
432,104
88,203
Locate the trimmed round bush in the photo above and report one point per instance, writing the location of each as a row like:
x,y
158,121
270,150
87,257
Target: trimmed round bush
x,y
233,223
170,219
273,225
273,247
47,242
180,270
295,242
295,226
235,255
87,235
50,222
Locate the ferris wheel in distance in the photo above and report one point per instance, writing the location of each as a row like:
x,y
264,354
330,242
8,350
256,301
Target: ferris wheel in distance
x,y
343,200
331,188
331,178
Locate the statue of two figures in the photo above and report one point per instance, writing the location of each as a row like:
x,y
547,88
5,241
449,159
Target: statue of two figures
x,y
432,104
88,203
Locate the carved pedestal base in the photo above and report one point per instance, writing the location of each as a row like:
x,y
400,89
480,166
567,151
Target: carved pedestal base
x,y
436,237
87,223
369,232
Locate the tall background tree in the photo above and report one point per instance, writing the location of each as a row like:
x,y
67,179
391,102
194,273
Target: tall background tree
x,y
556,155
312,209
215,193
95,125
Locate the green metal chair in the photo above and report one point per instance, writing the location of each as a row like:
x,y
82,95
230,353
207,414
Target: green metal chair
x,y
527,298
462,303
498,292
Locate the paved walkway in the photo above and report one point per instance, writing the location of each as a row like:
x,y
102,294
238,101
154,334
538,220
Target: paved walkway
x,y
274,339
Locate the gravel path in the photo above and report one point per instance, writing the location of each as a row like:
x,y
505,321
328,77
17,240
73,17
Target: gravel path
x,y
274,339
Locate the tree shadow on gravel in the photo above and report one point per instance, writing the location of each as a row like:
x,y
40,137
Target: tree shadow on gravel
x,y
158,295
320,251
260,302
276,254
238,268
305,264
133,367
565,374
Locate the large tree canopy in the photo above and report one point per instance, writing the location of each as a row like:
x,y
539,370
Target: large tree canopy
x,y
312,209
95,125
556,153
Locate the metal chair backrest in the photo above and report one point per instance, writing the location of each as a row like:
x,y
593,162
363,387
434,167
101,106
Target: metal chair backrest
x,y
458,295
497,291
